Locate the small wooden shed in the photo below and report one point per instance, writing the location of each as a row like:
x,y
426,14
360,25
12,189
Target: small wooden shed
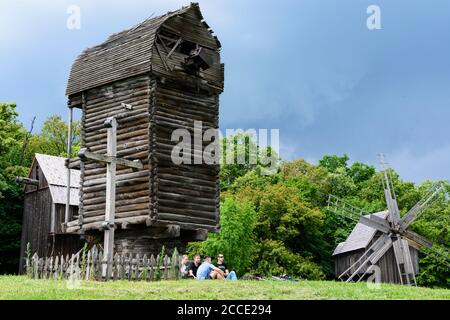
x,y
44,208
158,76
361,238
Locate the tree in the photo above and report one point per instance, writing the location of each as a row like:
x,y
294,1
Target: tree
x,y
12,134
52,139
241,154
333,163
287,225
361,172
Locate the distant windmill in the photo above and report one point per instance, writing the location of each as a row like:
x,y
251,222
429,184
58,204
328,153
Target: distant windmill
x,y
389,230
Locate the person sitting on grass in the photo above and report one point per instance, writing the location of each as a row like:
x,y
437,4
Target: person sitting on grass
x,y
184,267
193,267
209,271
222,266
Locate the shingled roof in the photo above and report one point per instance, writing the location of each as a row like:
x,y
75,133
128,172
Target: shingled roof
x,y
360,237
55,172
122,55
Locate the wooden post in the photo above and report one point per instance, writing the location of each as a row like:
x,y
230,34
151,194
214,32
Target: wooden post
x,y
111,125
111,161
69,152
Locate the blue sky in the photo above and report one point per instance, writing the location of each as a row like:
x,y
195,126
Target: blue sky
x,y
310,68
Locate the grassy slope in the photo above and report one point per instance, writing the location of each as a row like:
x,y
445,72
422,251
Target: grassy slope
x,y
19,287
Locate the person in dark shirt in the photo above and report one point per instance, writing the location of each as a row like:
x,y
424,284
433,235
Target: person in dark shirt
x,y
193,266
222,266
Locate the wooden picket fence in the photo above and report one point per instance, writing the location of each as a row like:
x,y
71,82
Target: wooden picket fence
x,y
88,265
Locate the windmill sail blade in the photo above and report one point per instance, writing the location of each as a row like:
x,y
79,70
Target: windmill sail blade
x,y
420,207
349,211
376,223
404,263
370,257
391,200
417,239
389,193
345,209
419,242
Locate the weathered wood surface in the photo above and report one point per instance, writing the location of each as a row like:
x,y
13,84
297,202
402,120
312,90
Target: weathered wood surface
x,y
130,52
389,272
161,95
36,222
132,144
87,265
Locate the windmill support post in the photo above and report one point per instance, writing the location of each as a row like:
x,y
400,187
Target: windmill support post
x,y
69,152
111,162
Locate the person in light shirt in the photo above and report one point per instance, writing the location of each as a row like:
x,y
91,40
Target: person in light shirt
x,y
207,270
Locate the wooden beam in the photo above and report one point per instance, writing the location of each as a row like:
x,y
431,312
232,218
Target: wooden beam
x,y
29,181
110,206
374,224
414,237
86,155
174,48
75,163
168,232
69,154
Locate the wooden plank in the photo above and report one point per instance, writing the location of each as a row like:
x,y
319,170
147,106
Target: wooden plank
x,y
86,155
110,198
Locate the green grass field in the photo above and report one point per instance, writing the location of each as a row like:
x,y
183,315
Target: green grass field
x,y
20,287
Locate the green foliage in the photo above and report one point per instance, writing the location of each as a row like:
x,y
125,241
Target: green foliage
x,y
333,163
53,138
273,258
11,199
434,268
240,154
361,172
295,234
236,240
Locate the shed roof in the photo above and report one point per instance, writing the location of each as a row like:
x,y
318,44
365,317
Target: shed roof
x,y
55,172
360,236
122,55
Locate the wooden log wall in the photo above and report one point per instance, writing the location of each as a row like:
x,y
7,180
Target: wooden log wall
x,y
60,212
141,241
132,198
186,194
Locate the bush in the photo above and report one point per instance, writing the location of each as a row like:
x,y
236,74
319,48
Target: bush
x,y
235,239
273,258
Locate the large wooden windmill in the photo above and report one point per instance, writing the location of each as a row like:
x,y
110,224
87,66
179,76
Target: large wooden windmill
x,y
387,240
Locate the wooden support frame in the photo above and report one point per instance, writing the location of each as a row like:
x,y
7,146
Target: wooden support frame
x,y
86,155
26,180
110,207
109,224
69,152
